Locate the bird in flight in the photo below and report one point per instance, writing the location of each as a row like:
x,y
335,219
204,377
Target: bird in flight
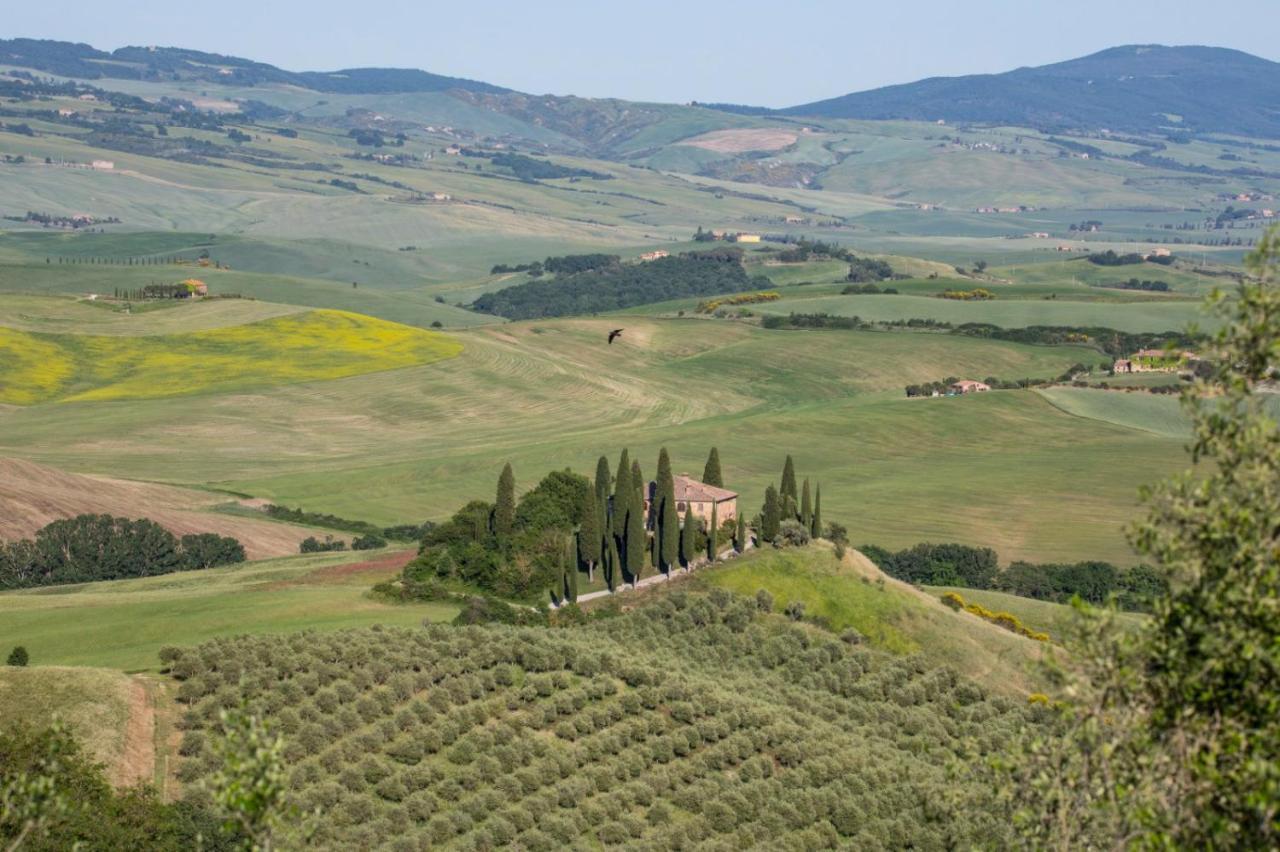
x,y
617,332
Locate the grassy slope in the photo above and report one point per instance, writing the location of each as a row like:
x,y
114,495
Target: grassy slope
x,y
94,703
891,615
1157,414
414,443
123,623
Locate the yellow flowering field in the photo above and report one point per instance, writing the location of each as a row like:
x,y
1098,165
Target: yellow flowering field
x,y
311,346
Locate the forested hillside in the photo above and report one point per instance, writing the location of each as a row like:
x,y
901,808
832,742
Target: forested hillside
x,y
613,286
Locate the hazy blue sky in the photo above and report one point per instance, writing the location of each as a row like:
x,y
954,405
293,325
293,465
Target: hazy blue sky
x,y
770,53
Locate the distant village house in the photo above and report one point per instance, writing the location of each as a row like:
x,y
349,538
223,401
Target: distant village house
x,y
654,255
967,386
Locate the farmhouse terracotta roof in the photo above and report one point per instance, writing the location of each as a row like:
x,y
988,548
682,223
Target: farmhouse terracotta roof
x,y
689,489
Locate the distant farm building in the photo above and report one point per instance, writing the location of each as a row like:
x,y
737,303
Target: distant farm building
x,y
453,149
654,255
1152,361
967,386
1040,235
195,288
103,165
1158,252
700,498
748,238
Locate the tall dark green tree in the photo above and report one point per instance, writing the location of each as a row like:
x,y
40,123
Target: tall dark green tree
x,y
789,479
815,529
770,515
711,473
806,505
571,565
636,541
504,510
689,538
589,533
740,535
713,546
667,536
639,486
604,480
612,565
622,496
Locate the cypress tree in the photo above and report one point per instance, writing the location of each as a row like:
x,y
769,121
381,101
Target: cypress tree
x,y
504,511
688,538
571,566
667,545
636,540
740,535
806,505
639,486
713,546
612,565
789,479
771,516
622,496
603,480
711,473
589,533
816,529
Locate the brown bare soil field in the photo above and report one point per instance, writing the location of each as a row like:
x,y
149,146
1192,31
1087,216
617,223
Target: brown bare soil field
x,y
741,140
32,495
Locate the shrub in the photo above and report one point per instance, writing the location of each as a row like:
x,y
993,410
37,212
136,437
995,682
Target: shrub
x,y
371,541
18,656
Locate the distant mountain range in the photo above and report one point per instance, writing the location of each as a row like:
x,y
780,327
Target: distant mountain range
x,y
172,63
1136,88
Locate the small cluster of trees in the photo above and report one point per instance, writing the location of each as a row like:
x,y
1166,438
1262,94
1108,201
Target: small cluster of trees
x,y
805,250
792,516
864,269
101,547
311,544
1134,284
867,289
1110,258
978,568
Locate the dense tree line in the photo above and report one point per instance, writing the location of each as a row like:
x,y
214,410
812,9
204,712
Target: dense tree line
x,y
978,568
1111,258
805,250
1156,286
614,287
87,548
531,169
398,532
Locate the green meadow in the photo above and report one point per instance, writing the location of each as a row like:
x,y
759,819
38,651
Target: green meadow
x,y
122,624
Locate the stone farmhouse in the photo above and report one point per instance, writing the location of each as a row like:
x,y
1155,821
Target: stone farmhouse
x,y
690,493
967,386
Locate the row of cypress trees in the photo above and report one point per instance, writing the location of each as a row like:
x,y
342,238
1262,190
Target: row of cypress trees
x,y
613,534
785,504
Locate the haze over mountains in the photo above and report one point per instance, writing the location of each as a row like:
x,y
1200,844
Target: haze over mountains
x,y
1134,88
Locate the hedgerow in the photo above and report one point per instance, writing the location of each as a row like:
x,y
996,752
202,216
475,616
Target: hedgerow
x,y
693,720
